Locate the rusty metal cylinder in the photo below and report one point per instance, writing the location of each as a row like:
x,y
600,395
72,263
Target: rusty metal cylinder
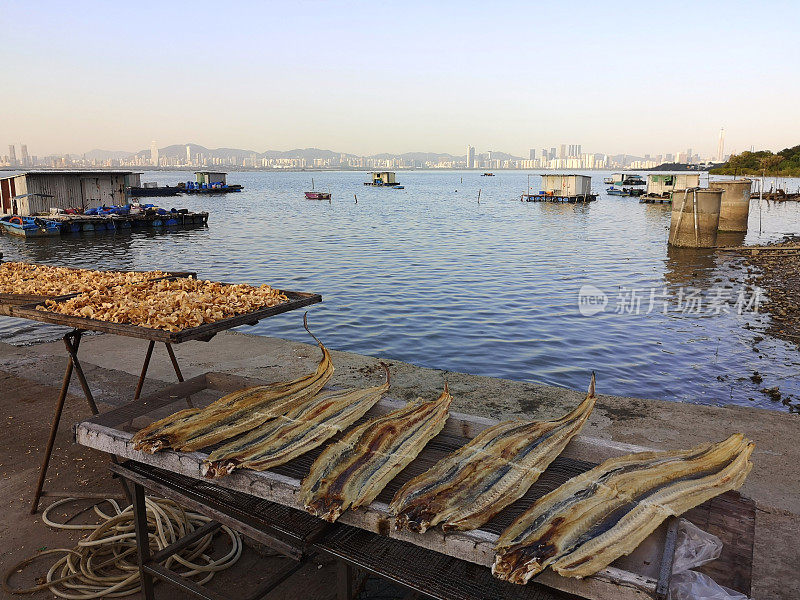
x,y
695,217
735,207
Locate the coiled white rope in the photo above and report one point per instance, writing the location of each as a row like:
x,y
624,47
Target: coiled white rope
x,y
104,564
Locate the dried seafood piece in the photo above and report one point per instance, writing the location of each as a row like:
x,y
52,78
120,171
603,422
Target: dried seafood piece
x,y
172,305
298,431
467,488
46,280
233,414
598,516
352,471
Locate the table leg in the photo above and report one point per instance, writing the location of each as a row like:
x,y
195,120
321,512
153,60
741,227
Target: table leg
x,y
177,368
344,581
72,350
146,364
53,431
142,540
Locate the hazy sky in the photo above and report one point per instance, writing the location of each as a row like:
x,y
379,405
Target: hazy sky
x,y
366,77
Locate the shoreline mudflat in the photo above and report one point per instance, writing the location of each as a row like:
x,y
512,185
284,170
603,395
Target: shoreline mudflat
x,y
29,378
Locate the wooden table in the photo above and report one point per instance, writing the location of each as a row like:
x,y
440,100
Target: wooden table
x,y
644,573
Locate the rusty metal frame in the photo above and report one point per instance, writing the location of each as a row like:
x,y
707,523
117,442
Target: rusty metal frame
x,y
149,567
72,341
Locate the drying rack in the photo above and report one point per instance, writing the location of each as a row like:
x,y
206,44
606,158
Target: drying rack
x,y
14,306
644,574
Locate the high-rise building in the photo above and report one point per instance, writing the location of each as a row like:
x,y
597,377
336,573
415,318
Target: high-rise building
x,y
23,150
721,146
12,155
154,153
545,155
532,154
188,154
470,157
563,151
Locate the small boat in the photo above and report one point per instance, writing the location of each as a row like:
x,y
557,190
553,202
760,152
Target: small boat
x,y
624,179
398,187
615,191
312,195
30,226
145,192
488,175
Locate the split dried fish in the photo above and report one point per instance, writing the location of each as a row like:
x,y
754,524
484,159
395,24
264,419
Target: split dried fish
x,y
351,472
598,516
191,429
467,488
302,429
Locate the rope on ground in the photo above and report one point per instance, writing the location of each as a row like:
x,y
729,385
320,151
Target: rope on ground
x,y
104,564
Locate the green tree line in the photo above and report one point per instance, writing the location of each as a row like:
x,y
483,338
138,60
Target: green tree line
x,y
785,163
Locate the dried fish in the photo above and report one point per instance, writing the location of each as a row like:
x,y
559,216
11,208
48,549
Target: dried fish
x,y
467,488
298,431
598,516
235,413
351,472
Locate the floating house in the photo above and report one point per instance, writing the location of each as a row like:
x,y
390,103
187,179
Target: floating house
x,y
382,178
661,185
36,192
563,188
624,179
209,182
211,177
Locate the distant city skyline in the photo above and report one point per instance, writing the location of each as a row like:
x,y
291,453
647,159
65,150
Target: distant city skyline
x,y
563,156
619,77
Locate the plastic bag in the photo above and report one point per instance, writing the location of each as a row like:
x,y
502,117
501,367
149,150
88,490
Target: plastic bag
x,y
693,548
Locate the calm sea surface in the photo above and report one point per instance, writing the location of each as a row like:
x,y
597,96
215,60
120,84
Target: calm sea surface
x,y
430,276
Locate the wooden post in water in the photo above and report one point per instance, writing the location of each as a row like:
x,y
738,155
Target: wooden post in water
x,y
356,197
479,196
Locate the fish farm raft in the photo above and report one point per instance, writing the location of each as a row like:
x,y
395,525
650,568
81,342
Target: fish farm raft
x,y
84,223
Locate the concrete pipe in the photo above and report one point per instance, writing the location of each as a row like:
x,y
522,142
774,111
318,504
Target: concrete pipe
x,y
735,208
695,217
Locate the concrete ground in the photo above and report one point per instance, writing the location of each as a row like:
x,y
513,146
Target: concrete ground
x,y
29,378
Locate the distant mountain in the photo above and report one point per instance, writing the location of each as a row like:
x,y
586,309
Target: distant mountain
x,y
498,155
308,153
98,154
179,151
417,156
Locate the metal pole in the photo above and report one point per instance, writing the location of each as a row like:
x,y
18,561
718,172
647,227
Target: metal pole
x,y
344,581
142,540
146,364
72,350
53,430
177,368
